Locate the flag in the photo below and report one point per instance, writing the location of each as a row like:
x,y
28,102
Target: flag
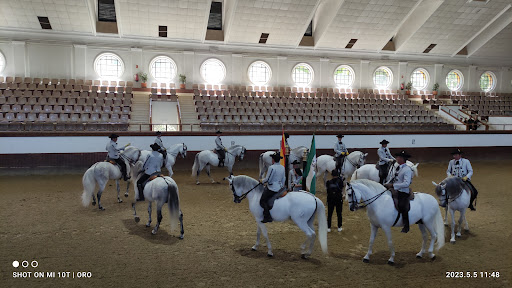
x,y
311,168
282,150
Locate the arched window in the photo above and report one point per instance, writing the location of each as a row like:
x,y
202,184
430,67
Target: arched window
x,y
420,79
213,71
109,66
382,77
454,80
344,76
302,74
2,62
259,73
162,68
487,81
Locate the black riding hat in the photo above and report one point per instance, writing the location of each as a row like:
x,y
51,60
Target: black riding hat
x,y
276,157
113,135
384,142
158,133
295,162
218,132
403,154
286,135
154,146
457,151
340,136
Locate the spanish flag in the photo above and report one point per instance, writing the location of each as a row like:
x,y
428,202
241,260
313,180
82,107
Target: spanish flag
x,y
282,150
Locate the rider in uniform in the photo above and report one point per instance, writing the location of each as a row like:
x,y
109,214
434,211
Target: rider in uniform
x,y
461,167
385,159
221,150
401,183
113,154
160,144
295,177
152,165
340,152
275,179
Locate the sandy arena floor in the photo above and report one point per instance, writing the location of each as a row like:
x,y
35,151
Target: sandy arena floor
x,y
43,220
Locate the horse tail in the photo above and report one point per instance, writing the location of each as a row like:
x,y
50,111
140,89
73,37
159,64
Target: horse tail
x,y
173,202
261,164
439,229
322,225
89,184
195,167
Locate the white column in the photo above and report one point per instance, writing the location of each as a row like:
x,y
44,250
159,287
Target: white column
x,y
79,59
472,83
283,75
365,77
190,70
237,73
20,60
438,75
403,76
137,60
503,81
325,80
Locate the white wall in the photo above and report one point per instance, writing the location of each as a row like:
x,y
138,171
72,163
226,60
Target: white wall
x,y
85,144
76,61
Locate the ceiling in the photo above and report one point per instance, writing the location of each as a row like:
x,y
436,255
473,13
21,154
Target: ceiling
x,y
485,29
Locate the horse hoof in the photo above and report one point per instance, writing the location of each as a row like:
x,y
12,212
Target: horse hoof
x,y
304,256
137,219
391,263
126,195
452,241
458,235
253,249
102,209
270,255
119,201
366,260
181,237
433,258
197,183
467,230
148,225
93,203
153,232
418,256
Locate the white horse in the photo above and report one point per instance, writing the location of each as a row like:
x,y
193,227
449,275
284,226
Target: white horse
x,y
326,163
265,159
300,206
161,190
101,172
370,171
172,154
424,211
206,158
454,195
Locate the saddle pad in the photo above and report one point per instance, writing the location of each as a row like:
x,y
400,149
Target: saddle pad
x,y
111,162
154,176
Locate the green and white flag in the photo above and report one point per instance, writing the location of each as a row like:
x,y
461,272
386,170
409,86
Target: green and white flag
x,y
311,168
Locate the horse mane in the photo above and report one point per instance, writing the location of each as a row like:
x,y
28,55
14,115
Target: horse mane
x,y
375,186
453,186
246,178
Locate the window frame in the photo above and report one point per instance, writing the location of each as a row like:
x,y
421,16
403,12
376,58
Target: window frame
x,y
351,71
427,80
309,67
390,81
269,73
3,62
114,55
173,65
461,83
494,80
202,67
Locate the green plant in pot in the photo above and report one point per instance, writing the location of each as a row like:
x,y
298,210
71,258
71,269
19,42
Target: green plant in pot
x,y
435,89
143,78
408,88
183,81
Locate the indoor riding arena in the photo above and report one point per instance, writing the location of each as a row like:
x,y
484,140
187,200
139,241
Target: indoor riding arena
x,y
87,87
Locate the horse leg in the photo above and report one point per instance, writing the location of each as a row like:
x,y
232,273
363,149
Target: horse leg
x,y
137,218
433,236
452,214
182,231
119,200
198,172
99,199
425,239
149,212
93,200
312,236
263,230
258,233
387,230
127,188
325,179
373,234
461,218
159,205
208,173
446,215
466,226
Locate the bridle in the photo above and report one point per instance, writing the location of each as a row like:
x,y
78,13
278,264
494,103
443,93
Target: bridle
x,y
447,198
241,153
364,202
180,153
357,165
239,199
131,161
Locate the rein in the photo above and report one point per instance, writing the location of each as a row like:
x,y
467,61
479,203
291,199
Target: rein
x,y
130,160
243,196
354,164
370,200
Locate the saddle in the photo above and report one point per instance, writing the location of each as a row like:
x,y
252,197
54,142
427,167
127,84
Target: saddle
x,y
276,196
394,193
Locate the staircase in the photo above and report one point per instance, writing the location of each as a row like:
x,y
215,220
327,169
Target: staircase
x,y
139,118
188,112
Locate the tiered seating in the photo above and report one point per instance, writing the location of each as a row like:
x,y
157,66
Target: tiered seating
x,y
239,110
485,105
53,104
163,93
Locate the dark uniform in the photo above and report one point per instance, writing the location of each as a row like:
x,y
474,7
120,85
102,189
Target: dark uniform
x,y
340,151
221,150
335,198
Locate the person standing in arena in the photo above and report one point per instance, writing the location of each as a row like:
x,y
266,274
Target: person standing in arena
x,y
340,151
221,150
401,183
335,199
158,141
113,154
385,159
275,179
295,177
461,167
152,165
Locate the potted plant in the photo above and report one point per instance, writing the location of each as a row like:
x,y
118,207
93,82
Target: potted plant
x,y
143,78
183,80
408,88
435,88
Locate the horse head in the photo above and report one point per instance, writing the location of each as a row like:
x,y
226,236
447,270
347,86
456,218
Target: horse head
x,y
240,186
131,154
352,197
414,167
